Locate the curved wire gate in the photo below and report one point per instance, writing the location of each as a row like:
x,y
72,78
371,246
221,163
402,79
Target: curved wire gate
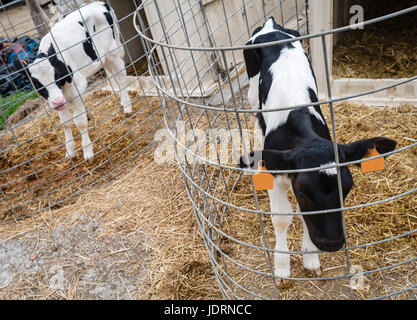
x,y
202,87
35,174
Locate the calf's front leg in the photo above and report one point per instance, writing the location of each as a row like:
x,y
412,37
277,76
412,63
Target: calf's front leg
x,y
310,260
80,119
76,90
279,203
66,120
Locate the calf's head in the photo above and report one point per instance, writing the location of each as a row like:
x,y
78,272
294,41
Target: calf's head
x,y
318,190
48,75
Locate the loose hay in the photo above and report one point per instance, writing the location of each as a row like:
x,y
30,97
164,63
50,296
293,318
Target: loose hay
x,y
35,173
151,199
148,202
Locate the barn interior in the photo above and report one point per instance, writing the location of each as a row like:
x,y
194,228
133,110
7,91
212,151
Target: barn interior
x,y
386,49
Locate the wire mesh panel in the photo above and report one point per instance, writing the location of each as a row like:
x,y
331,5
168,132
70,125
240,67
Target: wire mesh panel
x,y
41,165
196,61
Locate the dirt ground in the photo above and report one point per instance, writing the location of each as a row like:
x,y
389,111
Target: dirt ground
x,y
108,245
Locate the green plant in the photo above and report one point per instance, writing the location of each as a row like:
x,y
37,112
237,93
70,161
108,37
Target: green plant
x,y
8,105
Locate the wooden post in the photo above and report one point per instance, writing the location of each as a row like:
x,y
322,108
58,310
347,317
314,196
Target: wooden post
x,y
130,37
35,12
321,19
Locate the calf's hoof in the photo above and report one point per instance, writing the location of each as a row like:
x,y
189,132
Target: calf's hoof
x,y
317,272
280,275
128,109
70,153
283,283
88,154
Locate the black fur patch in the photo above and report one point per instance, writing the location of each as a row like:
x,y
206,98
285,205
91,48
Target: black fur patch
x,y
41,55
39,87
253,61
109,17
321,129
63,72
88,44
261,122
106,6
88,47
110,21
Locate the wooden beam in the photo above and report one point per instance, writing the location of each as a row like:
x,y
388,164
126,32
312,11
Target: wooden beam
x,y
396,96
35,12
321,19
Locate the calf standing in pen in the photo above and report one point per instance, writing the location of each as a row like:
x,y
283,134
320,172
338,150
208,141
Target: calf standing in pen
x,y
75,48
281,76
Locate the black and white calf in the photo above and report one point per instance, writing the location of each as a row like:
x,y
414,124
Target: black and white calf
x,y
68,55
281,76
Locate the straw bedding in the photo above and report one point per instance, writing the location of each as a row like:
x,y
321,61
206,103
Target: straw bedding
x,y
48,177
148,199
153,200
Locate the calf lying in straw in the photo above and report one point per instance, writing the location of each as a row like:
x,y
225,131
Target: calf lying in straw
x,y
77,47
281,76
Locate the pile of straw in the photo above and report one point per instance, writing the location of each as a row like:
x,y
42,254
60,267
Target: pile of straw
x,y
148,199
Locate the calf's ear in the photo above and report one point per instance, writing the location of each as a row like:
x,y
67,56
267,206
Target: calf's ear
x,y
272,159
252,61
358,149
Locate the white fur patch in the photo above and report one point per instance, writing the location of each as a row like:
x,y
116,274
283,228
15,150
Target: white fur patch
x,y
316,114
291,77
267,28
329,171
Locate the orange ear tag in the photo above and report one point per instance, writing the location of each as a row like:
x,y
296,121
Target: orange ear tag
x,y
263,180
372,165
